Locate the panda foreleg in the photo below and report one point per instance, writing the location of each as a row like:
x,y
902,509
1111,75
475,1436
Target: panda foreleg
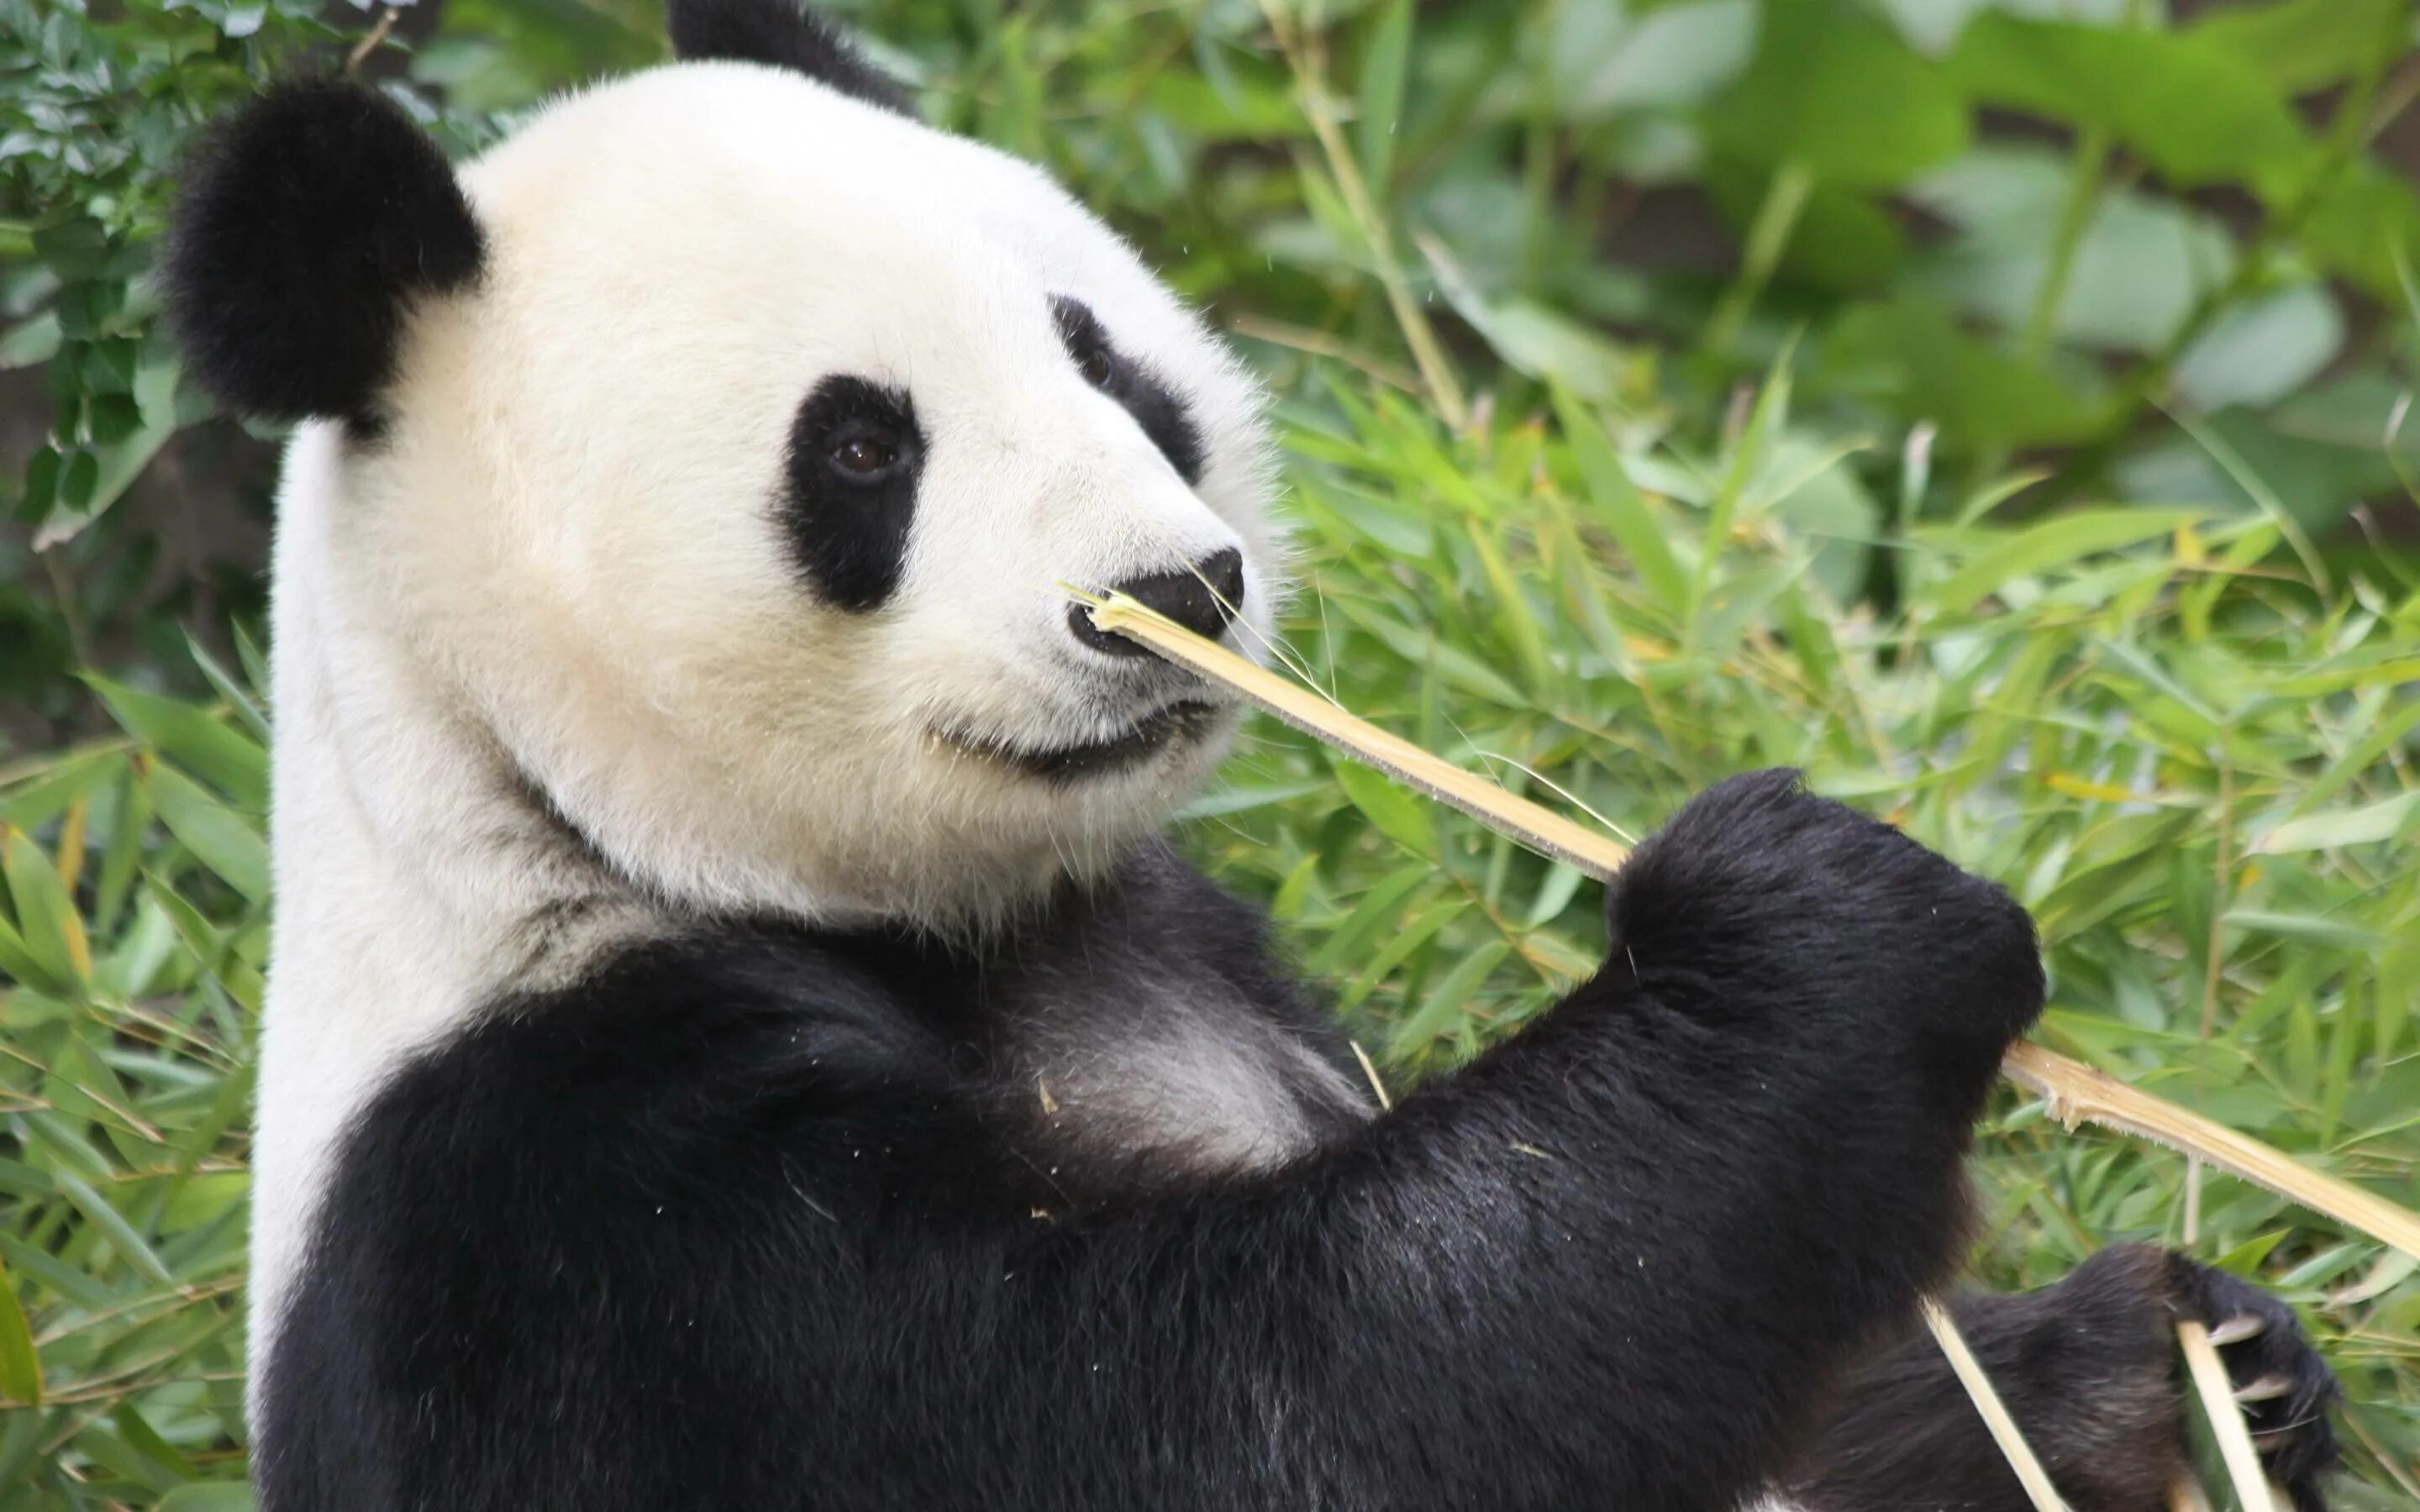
x,y
1604,1266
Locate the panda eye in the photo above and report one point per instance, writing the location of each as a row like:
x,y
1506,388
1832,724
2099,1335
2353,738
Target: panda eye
x,y
862,453
1098,371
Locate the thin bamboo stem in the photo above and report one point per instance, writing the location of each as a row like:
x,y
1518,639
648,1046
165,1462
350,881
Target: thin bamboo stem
x,y
1993,1411
2217,1394
2186,1495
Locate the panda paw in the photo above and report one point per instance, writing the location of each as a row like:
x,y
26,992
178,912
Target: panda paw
x,y
1884,936
2283,1386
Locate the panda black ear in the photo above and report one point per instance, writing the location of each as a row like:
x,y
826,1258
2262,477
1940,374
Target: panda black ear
x,y
779,32
309,220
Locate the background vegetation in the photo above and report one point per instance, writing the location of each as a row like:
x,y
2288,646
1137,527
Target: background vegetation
x,y
1996,407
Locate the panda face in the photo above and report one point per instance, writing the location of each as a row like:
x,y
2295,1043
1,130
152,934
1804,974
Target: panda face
x,y
739,496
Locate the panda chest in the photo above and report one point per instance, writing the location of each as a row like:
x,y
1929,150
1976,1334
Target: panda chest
x,y
1129,1075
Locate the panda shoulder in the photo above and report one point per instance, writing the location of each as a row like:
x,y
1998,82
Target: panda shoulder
x,y
755,1012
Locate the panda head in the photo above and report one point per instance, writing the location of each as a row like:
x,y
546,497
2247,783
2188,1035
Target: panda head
x,y
715,454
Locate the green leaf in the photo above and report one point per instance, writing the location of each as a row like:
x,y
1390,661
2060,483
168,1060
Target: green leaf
x,y
1373,913
2303,45
1392,812
1911,355
2368,824
2260,352
239,697
48,925
75,778
216,1496
1562,881
219,837
146,1441
20,964
77,483
33,340
41,485
1447,1001
2140,264
1607,60
2363,219
1382,93
1399,945
2056,542
2195,112
2310,927
1536,340
113,1226
21,1366
192,738
111,418
1840,92
210,949
1620,505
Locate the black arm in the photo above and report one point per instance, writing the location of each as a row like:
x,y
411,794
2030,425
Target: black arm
x,y
709,1238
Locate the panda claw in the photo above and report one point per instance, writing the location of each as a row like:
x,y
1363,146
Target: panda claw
x,y
2267,1388
2239,1328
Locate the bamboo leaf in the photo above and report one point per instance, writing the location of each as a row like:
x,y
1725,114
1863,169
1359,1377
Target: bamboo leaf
x,y
21,1364
113,1225
2054,543
208,1497
2368,824
1447,1001
48,926
1395,813
219,837
1622,507
237,763
1382,93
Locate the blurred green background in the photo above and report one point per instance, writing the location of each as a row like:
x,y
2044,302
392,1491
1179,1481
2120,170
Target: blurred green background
x,y
1998,406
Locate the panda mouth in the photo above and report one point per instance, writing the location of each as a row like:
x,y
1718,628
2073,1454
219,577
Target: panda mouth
x,y
1180,723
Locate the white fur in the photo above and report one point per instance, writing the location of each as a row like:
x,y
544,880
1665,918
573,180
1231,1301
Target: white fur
x,y
562,567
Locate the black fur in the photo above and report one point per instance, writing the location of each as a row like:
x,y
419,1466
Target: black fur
x,y
779,32
2089,1368
742,1221
848,531
310,220
1155,406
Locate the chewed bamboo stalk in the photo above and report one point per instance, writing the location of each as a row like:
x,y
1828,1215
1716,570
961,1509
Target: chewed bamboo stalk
x,y
2072,1092
1993,1411
2217,1393
2075,1093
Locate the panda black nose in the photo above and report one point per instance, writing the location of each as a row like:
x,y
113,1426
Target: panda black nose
x,y
1203,599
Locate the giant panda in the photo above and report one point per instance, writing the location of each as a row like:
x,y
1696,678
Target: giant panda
x,y
736,1038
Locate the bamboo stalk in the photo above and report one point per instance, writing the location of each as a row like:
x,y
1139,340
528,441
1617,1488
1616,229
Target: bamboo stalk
x,y
2217,1393
2186,1495
2074,1091
1993,1411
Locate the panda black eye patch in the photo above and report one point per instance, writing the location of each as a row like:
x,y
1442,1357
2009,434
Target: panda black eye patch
x,y
1155,406
849,489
